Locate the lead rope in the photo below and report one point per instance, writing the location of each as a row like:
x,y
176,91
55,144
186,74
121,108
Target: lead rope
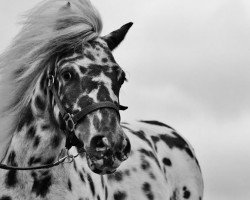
x,y
61,160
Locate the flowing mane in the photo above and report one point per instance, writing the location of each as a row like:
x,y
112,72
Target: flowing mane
x,y
48,28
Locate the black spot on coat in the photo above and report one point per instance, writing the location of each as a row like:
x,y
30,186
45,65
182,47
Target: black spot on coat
x,y
31,132
11,159
91,184
156,123
106,193
56,140
5,198
146,188
36,141
81,177
167,162
11,176
150,154
102,181
103,94
104,60
11,179
74,165
141,135
127,172
85,101
95,70
69,185
174,195
83,70
26,117
152,176
176,142
39,103
120,195
145,165
155,139
41,185
186,193
89,55
45,127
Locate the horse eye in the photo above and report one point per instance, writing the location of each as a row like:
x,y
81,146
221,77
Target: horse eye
x,y
66,76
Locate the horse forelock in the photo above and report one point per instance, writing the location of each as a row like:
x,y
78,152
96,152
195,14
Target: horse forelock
x,y
50,28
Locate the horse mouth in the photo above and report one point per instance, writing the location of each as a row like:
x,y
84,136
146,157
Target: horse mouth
x,y
104,158
103,163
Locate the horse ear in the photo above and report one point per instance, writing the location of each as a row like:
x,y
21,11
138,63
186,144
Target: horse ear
x,y
66,6
63,23
114,38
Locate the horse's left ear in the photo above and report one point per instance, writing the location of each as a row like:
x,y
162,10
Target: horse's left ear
x,y
114,38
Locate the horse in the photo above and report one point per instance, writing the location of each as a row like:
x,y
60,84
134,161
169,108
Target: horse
x,y
61,132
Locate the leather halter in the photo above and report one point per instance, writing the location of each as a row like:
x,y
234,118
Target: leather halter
x,y
70,122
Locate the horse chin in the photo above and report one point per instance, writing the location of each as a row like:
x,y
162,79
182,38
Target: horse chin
x,y
103,165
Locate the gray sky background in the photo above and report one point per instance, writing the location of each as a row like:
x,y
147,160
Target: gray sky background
x,y
188,65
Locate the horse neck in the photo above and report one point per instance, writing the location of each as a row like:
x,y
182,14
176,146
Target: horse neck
x,y
35,139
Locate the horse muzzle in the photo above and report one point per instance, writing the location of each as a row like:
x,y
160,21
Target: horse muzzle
x,y
104,157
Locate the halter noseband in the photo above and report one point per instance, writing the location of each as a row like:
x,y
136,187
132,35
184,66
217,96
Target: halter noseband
x,y
72,120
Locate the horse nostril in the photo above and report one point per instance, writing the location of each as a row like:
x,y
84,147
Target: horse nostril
x,y
99,143
123,154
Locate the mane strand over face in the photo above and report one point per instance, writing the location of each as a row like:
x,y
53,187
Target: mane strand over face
x,y
49,28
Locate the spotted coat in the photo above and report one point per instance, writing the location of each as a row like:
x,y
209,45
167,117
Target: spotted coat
x,y
162,165
152,161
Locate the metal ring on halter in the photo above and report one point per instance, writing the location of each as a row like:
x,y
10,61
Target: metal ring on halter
x,y
70,158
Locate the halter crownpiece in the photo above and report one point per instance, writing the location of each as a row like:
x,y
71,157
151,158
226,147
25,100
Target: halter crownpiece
x,y
72,120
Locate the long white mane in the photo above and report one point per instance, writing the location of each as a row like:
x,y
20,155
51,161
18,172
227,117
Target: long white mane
x,y
51,25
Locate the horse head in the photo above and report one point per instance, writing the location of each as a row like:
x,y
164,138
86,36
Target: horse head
x,y
85,89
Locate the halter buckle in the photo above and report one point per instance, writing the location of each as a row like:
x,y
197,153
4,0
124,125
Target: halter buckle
x,y
70,124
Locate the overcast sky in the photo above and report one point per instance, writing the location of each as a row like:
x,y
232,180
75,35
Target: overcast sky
x,y
188,65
